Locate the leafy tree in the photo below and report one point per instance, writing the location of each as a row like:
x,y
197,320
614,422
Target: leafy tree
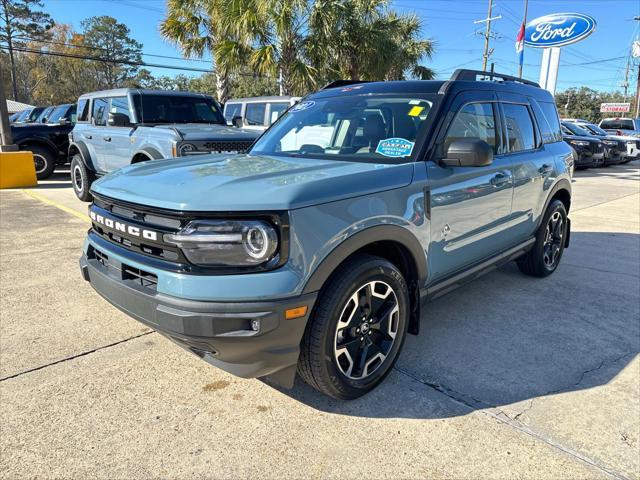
x,y
110,41
365,40
277,32
201,26
21,22
585,103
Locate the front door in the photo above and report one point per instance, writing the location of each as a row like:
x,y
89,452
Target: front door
x,y
470,206
117,136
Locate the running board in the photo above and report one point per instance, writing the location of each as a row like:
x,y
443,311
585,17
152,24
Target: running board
x,y
451,283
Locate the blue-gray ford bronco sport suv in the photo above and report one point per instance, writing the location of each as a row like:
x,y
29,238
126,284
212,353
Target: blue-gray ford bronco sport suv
x,y
119,127
315,251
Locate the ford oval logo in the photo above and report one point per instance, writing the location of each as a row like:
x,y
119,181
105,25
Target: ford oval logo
x,y
558,29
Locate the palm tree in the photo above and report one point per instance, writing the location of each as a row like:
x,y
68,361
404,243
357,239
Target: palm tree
x,y
363,40
276,31
200,26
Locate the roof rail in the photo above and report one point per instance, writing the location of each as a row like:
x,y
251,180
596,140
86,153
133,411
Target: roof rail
x,y
342,83
472,75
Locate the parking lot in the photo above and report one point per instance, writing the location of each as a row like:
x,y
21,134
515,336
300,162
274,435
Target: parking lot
x,y
511,376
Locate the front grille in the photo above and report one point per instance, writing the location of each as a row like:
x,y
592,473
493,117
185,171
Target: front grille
x,y
123,271
221,146
140,277
597,147
143,220
638,143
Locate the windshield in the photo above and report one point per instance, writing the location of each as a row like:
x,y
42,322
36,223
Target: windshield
x,y
614,123
34,114
576,130
379,128
22,116
59,112
177,109
596,130
44,116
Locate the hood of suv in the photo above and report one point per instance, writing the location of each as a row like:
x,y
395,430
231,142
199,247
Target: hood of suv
x,y
207,131
225,182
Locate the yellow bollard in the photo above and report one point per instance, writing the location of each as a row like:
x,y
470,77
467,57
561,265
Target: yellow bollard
x,y
17,170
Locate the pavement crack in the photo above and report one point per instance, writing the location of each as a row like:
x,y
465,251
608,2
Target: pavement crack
x,y
502,417
462,398
73,357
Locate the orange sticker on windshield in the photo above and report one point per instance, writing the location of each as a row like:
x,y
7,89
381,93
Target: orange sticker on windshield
x,y
415,111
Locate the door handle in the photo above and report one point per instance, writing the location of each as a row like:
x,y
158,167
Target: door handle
x,y
545,169
88,137
500,179
107,139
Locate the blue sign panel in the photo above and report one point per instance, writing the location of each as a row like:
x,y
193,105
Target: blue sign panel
x,y
394,147
558,29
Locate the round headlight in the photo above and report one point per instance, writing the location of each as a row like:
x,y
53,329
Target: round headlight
x,y
187,148
260,241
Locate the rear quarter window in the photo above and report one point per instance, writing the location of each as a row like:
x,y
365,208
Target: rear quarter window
x,y
548,121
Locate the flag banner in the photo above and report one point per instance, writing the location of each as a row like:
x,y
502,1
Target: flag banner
x,y
520,44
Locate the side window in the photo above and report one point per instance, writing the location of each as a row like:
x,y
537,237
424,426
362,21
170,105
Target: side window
x,y
520,131
83,110
551,116
119,108
99,113
474,120
254,114
277,109
232,110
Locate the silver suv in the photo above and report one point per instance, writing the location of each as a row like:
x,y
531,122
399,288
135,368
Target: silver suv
x,y
119,127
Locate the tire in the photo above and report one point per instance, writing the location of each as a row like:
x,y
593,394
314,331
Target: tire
x,y
81,178
343,325
543,259
44,160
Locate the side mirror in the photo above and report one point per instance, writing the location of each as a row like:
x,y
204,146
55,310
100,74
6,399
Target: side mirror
x,y
119,120
237,122
468,152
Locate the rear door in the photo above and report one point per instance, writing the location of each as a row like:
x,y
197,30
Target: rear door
x,y
533,163
471,206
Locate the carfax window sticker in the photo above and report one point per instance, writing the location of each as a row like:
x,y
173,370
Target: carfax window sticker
x,y
395,147
302,106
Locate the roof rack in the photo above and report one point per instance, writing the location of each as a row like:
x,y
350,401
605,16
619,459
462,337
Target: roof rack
x,y
472,75
342,83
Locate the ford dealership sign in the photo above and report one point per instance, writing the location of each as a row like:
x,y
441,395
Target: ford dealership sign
x,y
558,29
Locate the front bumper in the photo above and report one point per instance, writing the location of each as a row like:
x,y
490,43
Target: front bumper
x,y
585,158
219,332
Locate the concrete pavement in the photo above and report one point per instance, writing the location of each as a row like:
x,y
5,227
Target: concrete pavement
x,y
510,377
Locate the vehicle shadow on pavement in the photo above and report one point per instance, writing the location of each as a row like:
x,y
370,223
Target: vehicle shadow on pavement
x,y
507,337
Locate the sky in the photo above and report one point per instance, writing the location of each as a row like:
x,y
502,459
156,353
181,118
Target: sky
x,y
598,62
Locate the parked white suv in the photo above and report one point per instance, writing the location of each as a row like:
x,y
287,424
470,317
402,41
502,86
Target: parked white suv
x,y
256,113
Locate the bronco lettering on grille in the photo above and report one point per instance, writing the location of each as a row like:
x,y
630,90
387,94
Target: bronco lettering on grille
x,y
123,227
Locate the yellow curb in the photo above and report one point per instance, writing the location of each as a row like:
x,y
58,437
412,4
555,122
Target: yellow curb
x,y
53,203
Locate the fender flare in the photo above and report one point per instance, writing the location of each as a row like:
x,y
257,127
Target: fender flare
x,y
84,153
562,184
39,140
392,233
150,152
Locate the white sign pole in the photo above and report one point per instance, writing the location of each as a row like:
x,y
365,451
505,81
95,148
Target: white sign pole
x,y
554,64
544,67
549,69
